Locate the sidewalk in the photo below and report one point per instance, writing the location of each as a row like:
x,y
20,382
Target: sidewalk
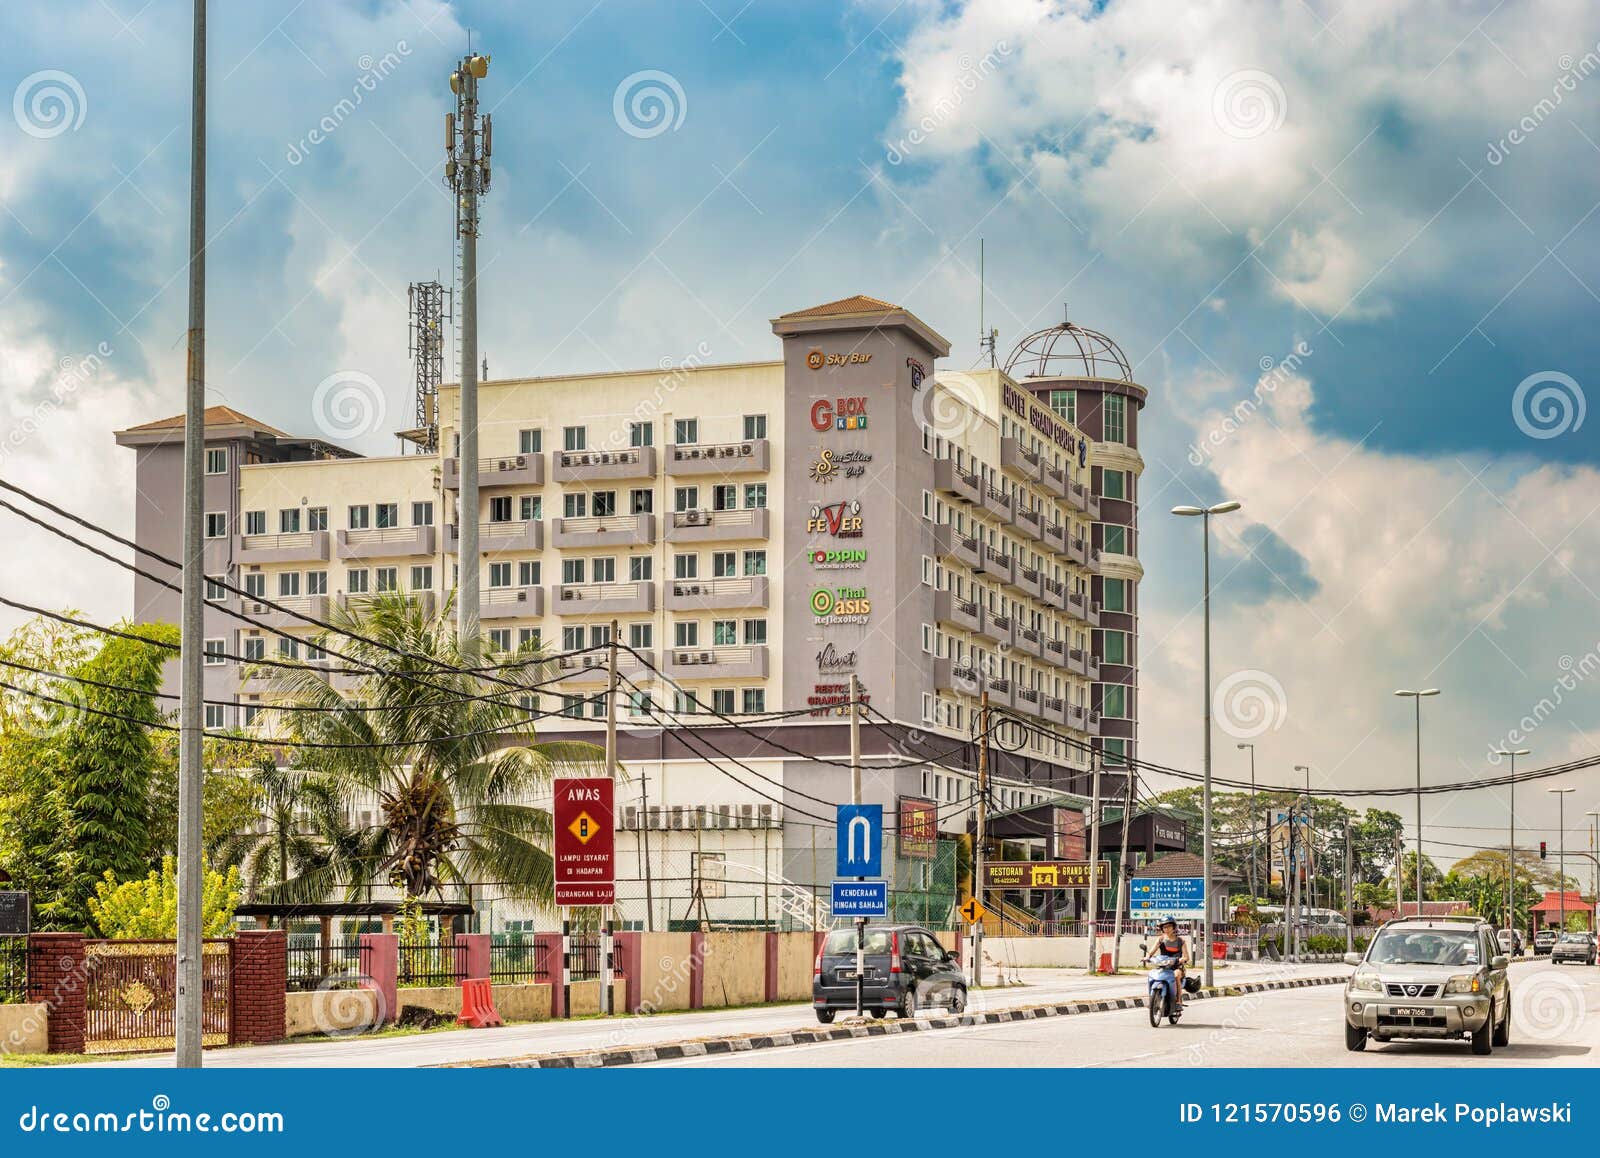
x,y
635,1032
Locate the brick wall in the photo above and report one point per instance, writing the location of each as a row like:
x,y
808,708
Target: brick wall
x,y
260,985
58,978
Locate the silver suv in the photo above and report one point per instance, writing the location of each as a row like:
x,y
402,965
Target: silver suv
x,y
1429,977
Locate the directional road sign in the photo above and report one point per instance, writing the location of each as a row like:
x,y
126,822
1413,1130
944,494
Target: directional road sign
x,y
860,840
860,898
1162,897
972,911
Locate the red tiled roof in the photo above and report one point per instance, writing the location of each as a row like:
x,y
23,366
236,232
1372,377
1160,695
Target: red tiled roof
x,y
1552,903
857,304
215,416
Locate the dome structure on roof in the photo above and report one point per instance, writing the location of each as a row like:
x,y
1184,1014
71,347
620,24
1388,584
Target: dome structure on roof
x,y
1068,350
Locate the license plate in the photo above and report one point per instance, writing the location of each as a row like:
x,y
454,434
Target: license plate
x,y
850,974
1411,1011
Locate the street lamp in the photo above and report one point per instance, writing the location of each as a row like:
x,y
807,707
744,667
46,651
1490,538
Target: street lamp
x,y
1594,861
1511,850
1561,846
1302,908
1417,698
1205,513
1253,893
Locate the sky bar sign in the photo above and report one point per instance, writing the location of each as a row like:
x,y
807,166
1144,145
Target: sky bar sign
x,y
585,842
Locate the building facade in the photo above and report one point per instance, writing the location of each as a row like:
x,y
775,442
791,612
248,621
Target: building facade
x,y
759,533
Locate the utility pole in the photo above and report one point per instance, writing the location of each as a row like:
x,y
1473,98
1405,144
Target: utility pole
x,y
191,720
644,855
1094,858
1252,750
855,798
1511,849
977,846
466,171
1303,909
1291,891
1399,876
606,943
1349,892
1122,873
1417,697
1561,848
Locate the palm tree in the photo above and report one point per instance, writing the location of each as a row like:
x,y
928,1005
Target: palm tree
x,y
447,755
305,820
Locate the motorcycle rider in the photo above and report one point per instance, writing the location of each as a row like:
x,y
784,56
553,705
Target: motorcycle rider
x,y
1171,944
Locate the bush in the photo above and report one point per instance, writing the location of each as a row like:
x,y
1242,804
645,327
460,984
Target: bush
x,y
148,908
1319,943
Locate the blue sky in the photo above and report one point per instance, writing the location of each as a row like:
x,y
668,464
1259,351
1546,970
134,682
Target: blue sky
x,y
1217,186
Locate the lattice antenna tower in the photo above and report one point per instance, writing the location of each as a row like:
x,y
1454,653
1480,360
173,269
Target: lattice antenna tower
x,y
426,320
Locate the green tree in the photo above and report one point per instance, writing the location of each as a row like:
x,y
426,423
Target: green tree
x,y
230,801
148,907
448,757
304,821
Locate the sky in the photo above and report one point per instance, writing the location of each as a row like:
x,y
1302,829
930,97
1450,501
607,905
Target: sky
x,y
1350,249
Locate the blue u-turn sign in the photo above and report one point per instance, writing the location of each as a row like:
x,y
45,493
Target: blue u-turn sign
x,y
860,840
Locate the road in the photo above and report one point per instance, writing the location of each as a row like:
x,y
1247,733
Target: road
x,y
1556,1022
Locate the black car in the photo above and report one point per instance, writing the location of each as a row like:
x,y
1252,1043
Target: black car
x,y
905,968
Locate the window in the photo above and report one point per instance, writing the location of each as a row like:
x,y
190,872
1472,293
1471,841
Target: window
x,y
1114,647
255,584
686,566
641,434
388,515
1064,403
500,509
1116,539
724,632
217,524
722,701
604,570
640,568
316,518
355,581
574,438
386,578
724,564
575,505
686,430
1116,752
755,495
755,700
605,504
1113,595
528,573
421,578
216,462
1114,407
500,639
289,521
288,584
755,426
572,639
530,637
530,442
686,633
755,632
685,498
422,514
724,497
214,649
574,570
1114,484
254,648
216,717
360,518
1114,701
641,501
599,634
316,582
215,591
641,636
531,507
755,562
684,703
572,706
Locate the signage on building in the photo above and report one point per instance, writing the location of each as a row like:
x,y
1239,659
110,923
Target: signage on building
x,y
859,840
918,372
817,359
837,560
1157,898
1167,831
839,414
836,605
832,699
828,466
832,661
842,520
1044,874
1042,419
919,828
15,914
585,841
1072,834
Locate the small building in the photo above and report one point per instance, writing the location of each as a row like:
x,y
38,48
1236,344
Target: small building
x,y
1547,913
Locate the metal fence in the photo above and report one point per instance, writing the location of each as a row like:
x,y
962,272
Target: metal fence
x,y
13,969
515,960
431,964
338,963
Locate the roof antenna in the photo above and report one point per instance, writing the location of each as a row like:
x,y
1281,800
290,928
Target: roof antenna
x,y
986,337
486,367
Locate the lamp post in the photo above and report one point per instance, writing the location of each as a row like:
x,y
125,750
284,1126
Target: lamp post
x,y
1204,514
1252,750
1561,847
1594,861
1511,849
1416,697
1303,909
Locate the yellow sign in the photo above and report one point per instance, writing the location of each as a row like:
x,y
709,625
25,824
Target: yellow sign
x,y
584,827
973,911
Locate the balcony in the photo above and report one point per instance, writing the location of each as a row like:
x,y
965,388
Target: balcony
x,y
704,526
602,598
998,627
1054,479
955,612
298,610
304,547
511,603
950,481
1027,700
1078,604
999,504
1091,666
1030,522
1053,651
731,593
1077,717
508,470
1092,505
1031,581
512,535
1019,460
593,666
1002,567
951,676
950,544
1077,661
1078,495
1000,692
719,663
605,531
1052,708
1029,641
384,543
598,465
1053,593
1078,551
691,459
356,603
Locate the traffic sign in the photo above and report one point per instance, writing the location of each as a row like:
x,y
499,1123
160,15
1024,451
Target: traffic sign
x,y
973,911
585,841
1044,874
860,898
1162,897
859,840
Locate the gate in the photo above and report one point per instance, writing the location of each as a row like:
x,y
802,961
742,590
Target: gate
x,y
131,1003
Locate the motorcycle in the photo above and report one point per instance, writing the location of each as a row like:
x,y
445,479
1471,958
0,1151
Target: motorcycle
x,y
1163,989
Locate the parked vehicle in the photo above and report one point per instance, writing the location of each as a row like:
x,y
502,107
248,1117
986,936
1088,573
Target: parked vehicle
x,y
1543,941
1579,947
1510,942
1430,977
1162,988
905,968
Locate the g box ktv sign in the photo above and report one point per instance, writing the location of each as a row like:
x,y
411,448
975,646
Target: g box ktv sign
x,y
839,414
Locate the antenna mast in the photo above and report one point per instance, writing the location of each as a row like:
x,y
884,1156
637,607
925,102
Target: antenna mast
x,y
429,311
987,338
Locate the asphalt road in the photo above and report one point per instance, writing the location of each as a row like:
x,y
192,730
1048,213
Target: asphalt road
x,y
1556,1022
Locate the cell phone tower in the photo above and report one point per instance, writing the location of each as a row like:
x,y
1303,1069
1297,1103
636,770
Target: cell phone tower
x,y
429,311
468,142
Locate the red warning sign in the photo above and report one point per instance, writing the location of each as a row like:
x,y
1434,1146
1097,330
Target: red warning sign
x,y
585,842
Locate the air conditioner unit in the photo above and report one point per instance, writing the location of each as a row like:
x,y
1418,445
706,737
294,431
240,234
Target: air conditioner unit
x,y
708,657
766,815
653,817
725,816
747,815
676,815
703,816
746,450
630,816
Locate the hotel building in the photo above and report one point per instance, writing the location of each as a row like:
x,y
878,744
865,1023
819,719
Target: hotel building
x,y
759,532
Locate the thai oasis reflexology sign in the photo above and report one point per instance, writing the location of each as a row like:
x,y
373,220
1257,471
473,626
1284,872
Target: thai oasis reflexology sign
x,y
585,844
